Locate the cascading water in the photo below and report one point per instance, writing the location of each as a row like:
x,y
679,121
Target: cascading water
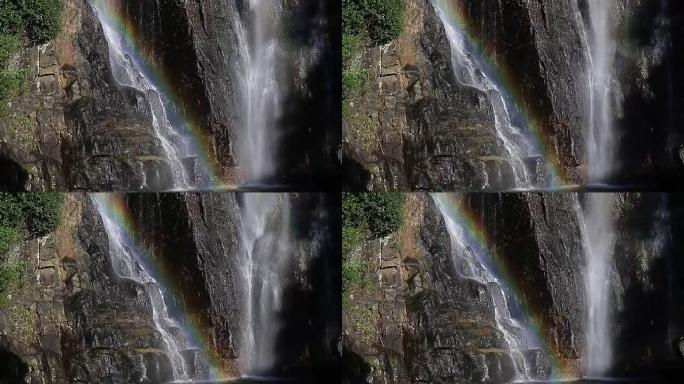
x,y
126,265
598,235
468,264
596,219
603,89
260,87
266,244
128,70
470,71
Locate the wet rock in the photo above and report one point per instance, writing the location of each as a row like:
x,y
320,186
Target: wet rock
x,y
538,362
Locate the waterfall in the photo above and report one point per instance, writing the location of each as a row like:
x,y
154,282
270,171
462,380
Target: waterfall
x,y
260,87
129,70
265,224
598,235
127,265
470,265
603,90
470,70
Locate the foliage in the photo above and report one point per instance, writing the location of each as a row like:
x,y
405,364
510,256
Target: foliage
x,y
12,276
383,20
10,83
351,236
10,211
353,82
354,274
38,19
378,21
365,216
35,213
42,211
42,19
8,235
379,213
9,44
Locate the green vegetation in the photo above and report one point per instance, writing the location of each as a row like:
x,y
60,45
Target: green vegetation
x,y
41,18
13,275
366,216
373,22
8,236
376,214
23,215
31,21
35,213
42,211
354,274
22,321
364,322
383,20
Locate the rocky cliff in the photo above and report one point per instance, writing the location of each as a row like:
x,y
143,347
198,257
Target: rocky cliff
x,y
416,127
74,128
76,321
421,320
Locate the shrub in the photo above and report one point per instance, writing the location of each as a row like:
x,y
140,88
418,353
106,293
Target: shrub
x,y
351,44
8,236
10,83
382,19
42,19
9,44
353,81
11,21
38,213
12,275
379,213
351,236
42,211
10,211
354,274
385,19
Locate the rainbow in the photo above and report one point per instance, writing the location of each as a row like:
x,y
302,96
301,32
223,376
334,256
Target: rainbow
x,y
454,206
508,82
115,208
133,39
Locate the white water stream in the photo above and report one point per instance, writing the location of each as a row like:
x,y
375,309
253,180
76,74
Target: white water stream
x,y
468,264
470,71
603,88
598,236
260,87
129,70
266,243
126,264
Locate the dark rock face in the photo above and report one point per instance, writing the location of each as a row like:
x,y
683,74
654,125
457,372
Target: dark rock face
x,y
113,146
648,286
456,333
650,58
